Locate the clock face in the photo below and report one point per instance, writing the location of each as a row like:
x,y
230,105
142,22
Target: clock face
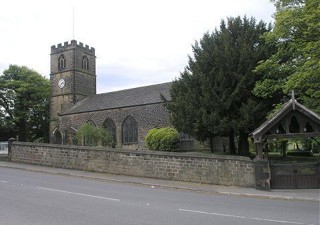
x,y
61,83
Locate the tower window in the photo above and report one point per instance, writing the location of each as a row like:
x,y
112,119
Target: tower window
x,y
129,131
85,63
61,62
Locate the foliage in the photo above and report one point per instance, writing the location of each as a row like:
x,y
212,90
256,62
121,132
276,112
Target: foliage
x,y
295,65
88,134
24,104
162,139
213,96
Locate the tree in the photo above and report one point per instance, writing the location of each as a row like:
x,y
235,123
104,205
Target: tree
x,y
93,136
295,64
24,104
214,96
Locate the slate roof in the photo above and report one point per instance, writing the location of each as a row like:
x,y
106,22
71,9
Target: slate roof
x,y
291,105
120,99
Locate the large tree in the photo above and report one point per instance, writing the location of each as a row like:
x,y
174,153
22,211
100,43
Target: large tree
x,y
214,96
295,65
24,104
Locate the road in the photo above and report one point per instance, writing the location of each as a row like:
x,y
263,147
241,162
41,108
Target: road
x,y
35,198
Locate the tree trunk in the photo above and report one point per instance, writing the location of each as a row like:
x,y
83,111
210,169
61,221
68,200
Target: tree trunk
x,y
243,144
232,147
284,148
211,143
240,145
22,130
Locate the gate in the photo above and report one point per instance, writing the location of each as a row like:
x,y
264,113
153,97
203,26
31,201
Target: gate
x,y
295,175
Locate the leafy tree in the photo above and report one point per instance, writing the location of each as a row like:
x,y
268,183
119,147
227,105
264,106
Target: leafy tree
x,y
94,136
24,104
295,64
214,96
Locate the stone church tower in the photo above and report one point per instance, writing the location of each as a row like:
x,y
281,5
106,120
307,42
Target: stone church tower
x,y
72,78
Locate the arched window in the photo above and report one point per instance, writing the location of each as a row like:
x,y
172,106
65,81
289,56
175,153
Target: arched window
x,y
61,62
88,139
85,63
91,123
58,138
129,131
110,126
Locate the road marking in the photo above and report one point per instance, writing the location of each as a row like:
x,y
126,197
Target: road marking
x,y
3,181
76,193
242,217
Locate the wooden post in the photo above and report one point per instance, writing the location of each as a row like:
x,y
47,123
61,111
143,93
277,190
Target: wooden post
x,y
266,151
259,148
10,141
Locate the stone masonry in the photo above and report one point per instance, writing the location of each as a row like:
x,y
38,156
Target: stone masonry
x,y
79,82
220,170
147,117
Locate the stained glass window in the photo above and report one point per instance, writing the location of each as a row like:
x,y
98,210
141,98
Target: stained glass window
x,y
129,131
110,126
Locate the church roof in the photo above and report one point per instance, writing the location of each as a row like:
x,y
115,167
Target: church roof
x,y
120,99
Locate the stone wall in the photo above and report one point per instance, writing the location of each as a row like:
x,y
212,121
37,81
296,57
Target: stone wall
x,y
222,170
147,117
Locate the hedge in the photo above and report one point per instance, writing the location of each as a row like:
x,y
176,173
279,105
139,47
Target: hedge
x,y
162,139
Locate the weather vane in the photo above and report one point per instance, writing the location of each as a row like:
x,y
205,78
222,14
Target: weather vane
x,y
73,23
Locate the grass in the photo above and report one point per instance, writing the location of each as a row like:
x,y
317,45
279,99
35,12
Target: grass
x,y
276,156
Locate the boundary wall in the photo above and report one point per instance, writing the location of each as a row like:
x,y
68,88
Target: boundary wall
x,y
202,168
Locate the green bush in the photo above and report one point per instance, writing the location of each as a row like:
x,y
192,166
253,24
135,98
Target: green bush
x,y
300,153
90,135
162,139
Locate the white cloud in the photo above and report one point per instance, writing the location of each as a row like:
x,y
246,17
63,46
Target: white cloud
x,y
137,42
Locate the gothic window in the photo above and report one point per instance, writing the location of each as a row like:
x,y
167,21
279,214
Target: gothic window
x,y
91,123
85,63
110,126
61,62
129,131
88,140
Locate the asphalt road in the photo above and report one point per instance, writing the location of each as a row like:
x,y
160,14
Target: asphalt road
x,y
44,199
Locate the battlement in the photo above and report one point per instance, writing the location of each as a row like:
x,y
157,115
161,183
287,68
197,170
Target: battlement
x,y
73,44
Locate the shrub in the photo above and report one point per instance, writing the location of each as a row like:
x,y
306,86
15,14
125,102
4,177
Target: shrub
x,y
300,153
162,139
93,136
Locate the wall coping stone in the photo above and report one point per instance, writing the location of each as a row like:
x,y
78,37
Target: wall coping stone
x,y
136,152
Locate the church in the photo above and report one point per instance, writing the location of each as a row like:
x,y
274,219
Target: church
x,y
126,114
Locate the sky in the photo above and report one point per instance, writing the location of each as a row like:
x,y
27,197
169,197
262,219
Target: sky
x,y
137,42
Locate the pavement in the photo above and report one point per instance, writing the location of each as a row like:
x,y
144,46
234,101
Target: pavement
x,y
283,194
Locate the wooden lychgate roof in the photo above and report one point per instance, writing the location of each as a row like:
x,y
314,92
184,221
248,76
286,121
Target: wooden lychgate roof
x,y
292,120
